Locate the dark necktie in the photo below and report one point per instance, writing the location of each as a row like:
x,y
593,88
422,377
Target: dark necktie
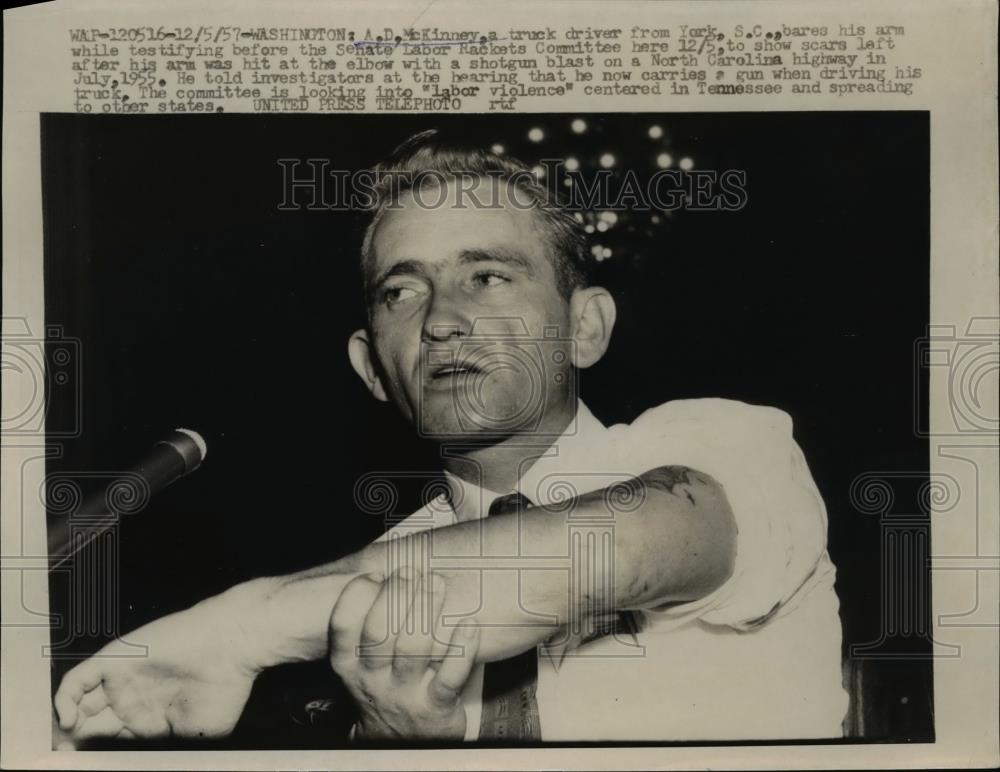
x,y
510,709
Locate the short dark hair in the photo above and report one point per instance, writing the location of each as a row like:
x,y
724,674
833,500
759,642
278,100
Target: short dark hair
x,y
431,157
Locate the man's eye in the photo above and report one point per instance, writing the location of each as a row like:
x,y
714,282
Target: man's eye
x,y
392,295
490,279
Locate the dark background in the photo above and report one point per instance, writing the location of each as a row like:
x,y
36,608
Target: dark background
x,y
198,303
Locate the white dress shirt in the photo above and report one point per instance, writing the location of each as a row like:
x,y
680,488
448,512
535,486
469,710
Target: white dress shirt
x,y
759,658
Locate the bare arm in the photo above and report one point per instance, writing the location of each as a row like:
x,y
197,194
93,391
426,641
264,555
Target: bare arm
x,y
674,541
509,573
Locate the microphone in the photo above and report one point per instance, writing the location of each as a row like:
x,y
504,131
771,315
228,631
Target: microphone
x,y
173,457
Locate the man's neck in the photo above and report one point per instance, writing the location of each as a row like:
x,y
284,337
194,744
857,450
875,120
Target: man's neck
x,y
499,467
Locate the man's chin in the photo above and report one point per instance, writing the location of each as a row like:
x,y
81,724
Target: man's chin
x,y
457,415
447,426
454,432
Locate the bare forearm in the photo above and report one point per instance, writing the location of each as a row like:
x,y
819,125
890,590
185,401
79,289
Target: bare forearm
x,y
523,576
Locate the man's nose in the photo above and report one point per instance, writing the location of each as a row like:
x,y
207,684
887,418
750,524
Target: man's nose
x,y
446,318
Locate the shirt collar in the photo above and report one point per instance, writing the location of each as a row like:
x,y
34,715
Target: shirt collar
x,y
567,454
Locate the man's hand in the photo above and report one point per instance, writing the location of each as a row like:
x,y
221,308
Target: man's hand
x,y
193,681
389,647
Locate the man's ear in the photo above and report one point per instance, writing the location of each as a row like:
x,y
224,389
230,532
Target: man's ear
x,y
359,350
592,318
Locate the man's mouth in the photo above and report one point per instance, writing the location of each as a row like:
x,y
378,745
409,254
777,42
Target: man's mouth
x,y
454,371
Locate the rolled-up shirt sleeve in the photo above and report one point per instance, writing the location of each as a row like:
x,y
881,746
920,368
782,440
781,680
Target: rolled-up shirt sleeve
x,y
779,513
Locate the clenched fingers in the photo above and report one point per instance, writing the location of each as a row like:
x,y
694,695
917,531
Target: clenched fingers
x,y
447,683
386,618
75,684
105,723
415,642
348,619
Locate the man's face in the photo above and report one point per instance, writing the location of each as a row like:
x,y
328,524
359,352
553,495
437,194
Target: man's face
x,y
467,321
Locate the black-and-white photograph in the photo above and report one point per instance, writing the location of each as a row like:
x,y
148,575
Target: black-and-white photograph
x,y
496,430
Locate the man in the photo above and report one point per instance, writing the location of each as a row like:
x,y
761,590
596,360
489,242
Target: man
x,y
666,580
